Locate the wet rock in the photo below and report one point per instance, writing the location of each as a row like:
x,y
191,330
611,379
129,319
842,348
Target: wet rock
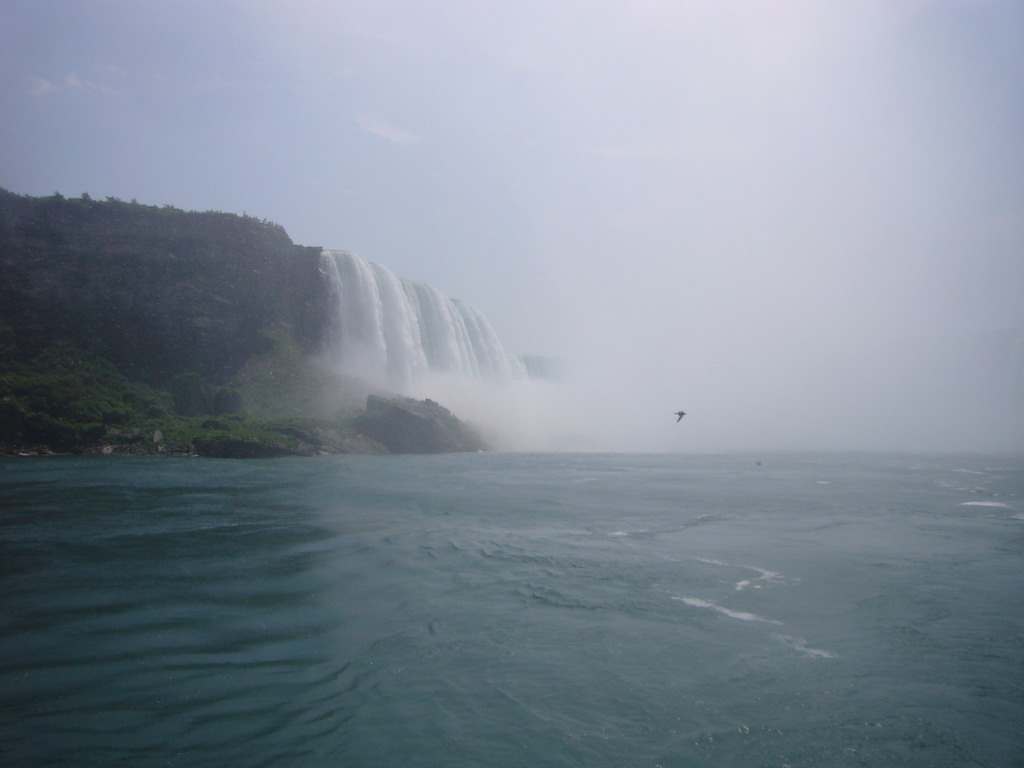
x,y
226,447
405,425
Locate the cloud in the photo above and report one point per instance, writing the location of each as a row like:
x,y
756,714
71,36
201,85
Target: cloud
x,y
70,82
371,122
41,87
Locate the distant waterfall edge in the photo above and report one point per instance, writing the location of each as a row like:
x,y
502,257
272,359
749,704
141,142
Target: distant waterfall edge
x,y
406,337
394,331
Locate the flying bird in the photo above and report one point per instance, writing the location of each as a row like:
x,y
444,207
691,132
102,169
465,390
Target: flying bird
x,y
680,414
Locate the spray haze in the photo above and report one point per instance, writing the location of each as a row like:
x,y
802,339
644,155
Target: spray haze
x,y
799,221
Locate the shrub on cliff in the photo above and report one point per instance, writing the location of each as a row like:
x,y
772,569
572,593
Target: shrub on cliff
x,y
65,398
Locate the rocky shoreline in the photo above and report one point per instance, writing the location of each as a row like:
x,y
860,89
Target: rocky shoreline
x,y
388,426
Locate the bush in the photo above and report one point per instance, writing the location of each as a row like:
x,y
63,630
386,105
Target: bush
x,y
192,396
64,397
226,400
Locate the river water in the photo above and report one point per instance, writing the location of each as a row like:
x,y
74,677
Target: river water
x,y
513,610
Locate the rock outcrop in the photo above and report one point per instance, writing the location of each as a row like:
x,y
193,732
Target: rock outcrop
x,y
404,425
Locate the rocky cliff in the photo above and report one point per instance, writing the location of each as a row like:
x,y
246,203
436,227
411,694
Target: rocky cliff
x,y
156,291
136,328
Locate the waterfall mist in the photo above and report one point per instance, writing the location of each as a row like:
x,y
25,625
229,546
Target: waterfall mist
x,y
892,394
800,228
767,353
781,383
406,337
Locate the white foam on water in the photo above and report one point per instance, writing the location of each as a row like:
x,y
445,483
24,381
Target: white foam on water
x,y
765,576
799,644
985,504
741,615
743,584
709,561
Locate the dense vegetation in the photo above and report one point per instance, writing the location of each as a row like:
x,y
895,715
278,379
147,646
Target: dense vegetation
x,y
69,400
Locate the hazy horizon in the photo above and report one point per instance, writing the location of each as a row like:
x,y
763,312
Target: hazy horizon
x,y
788,218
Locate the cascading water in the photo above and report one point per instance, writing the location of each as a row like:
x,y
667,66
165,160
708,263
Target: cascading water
x,y
393,331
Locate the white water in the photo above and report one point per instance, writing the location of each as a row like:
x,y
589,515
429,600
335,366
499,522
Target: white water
x,y
395,332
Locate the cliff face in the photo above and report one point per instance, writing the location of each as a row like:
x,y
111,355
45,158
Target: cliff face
x,y
157,291
124,328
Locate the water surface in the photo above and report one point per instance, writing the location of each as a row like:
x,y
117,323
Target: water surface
x,y
512,610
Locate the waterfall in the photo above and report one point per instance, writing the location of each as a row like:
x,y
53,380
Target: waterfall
x,y
390,330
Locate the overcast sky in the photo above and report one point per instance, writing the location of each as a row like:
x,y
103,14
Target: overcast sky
x,y
728,200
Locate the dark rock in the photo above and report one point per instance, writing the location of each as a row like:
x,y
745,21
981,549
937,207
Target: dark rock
x,y
226,447
405,425
332,440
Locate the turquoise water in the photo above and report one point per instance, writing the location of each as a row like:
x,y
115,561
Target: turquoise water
x,y
512,610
